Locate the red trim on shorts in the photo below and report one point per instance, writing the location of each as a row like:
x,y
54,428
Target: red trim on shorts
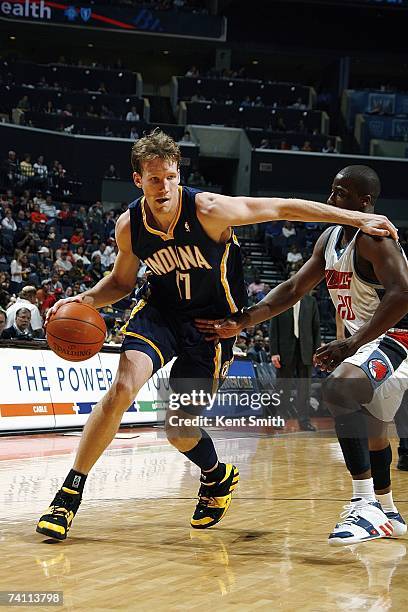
x,y
401,337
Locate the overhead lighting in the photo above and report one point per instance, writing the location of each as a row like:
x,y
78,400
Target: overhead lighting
x,y
166,52
90,45
255,62
12,37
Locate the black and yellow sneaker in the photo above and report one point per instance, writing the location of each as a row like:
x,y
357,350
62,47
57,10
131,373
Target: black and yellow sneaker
x,y
57,519
214,499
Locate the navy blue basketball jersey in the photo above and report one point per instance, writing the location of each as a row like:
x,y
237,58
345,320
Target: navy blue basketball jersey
x,y
190,273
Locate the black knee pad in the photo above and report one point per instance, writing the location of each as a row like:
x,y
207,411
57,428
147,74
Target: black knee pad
x,y
352,434
380,467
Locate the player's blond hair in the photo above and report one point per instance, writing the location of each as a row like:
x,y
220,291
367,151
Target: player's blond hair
x,y
157,144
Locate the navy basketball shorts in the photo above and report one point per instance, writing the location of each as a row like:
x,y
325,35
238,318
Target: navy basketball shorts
x,y
161,335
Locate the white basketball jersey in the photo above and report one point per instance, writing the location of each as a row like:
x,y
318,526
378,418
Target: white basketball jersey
x,y
354,299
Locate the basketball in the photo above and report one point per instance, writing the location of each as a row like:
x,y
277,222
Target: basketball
x,y
76,332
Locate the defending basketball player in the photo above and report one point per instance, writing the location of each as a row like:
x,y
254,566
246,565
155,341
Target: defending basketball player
x,y
368,284
186,238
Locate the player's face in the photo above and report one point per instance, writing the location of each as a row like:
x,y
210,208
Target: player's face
x,y
159,180
343,194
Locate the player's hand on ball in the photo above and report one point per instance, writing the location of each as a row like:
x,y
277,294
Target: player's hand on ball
x,y
329,356
219,328
379,225
86,299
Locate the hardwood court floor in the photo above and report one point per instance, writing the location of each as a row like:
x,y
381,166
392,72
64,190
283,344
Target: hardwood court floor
x,y
131,547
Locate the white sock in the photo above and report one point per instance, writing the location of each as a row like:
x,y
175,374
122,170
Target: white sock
x,y
364,488
387,503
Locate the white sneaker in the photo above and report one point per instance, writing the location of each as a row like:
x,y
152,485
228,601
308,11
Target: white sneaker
x,y
361,521
398,524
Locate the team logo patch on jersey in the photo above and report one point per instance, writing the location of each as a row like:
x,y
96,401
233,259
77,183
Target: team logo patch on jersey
x,y
378,369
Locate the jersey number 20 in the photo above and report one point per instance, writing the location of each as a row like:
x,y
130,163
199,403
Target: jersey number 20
x,y
344,308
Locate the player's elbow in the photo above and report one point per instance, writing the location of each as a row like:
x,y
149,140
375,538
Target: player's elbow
x,y
122,285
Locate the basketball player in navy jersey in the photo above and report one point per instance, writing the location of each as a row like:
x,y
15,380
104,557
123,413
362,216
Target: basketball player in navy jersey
x,y
186,239
367,278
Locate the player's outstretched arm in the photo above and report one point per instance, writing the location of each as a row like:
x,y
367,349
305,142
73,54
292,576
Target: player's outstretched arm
x,y
226,211
391,270
276,301
120,282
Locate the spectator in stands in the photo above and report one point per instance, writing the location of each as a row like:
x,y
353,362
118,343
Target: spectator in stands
x,y
134,134
83,217
67,112
186,137
111,172
196,179
273,239
133,115
256,289
95,270
257,352
80,254
193,72
298,104
4,289
10,166
21,328
250,271
294,258
8,222
306,146
284,145
329,148
91,112
23,104
280,125
103,253
110,223
95,216
246,102
107,132
64,215
288,230
93,245
56,285
77,238
48,208
64,248
63,264
26,168
45,298
3,319
16,270
102,88
301,127
37,216
106,112
40,169
241,342
49,108
27,299
265,144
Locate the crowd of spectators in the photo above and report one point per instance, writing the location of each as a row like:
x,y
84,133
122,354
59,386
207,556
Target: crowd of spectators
x,y
49,249
21,172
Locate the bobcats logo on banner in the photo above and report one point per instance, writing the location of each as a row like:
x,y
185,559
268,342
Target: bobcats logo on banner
x,y
378,369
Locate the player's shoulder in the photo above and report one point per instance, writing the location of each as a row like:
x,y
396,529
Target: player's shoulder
x,y
367,241
323,240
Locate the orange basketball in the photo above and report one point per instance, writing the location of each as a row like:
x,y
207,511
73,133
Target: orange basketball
x,y
76,332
